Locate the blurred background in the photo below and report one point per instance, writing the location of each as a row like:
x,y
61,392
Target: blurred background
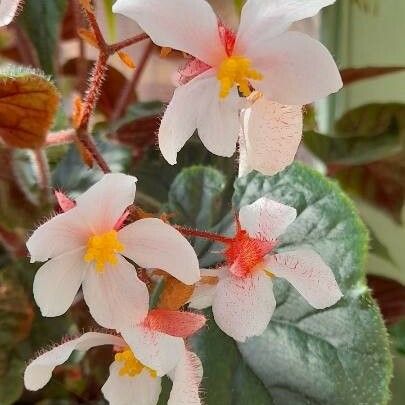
x,y
356,137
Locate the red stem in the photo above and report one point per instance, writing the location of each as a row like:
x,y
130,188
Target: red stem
x,y
205,235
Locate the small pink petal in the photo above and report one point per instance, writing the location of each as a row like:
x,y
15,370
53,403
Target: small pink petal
x,y
65,203
192,69
121,221
174,323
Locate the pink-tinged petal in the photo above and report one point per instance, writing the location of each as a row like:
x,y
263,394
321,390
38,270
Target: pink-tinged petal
x,y
57,282
174,323
218,119
124,390
103,204
205,290
203,295
65,203
266,219
263,20
39,371
116,297
156,350
243,307
179,121
151,243
61,234
190,26
272,134
309,274
186,381
297,69
8,9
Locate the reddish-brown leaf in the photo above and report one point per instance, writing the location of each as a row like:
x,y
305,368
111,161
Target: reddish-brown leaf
x,y
28,104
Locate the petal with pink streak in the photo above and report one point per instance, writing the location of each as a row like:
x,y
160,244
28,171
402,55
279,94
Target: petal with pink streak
x,y
309,274
243,307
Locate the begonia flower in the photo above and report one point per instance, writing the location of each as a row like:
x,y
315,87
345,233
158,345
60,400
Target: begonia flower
x,y
151,350
241,295
87,248
269,137
289,68
8,10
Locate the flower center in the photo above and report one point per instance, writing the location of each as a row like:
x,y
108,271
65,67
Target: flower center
x,y
131,366
236,70
246,253
103,249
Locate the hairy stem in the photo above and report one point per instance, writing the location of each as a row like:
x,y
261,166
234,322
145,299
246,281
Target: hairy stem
x,y
203,234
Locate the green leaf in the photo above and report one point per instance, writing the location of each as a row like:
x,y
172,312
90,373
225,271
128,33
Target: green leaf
x,y
155,175
354,150
390,235
365,134
196,197
11,382
336,356
196,200
41,19
72,175
227,380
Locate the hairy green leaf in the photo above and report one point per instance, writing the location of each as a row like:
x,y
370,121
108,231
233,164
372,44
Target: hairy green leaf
x,y
336,356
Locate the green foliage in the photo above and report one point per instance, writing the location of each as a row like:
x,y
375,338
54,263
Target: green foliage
x,y
335,356
41,19
339,355
366,134
228,380
71,174
11,383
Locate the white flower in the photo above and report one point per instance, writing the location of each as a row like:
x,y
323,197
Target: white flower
x,y
287,67
86,249
8,9
146,354
270,136
242,300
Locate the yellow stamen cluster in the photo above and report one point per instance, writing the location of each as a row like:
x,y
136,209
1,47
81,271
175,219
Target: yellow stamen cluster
x,y
103,249
236,70
131,365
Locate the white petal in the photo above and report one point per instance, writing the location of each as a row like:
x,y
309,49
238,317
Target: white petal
x,y
8,9
180,118
272,135
39,371
203,296
266,219
186,381
151,243
297,69
104,203
116,298
243,307
218,119
204,293
263,20
57,282
187,25
158,351
309,274
124,390
61,234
